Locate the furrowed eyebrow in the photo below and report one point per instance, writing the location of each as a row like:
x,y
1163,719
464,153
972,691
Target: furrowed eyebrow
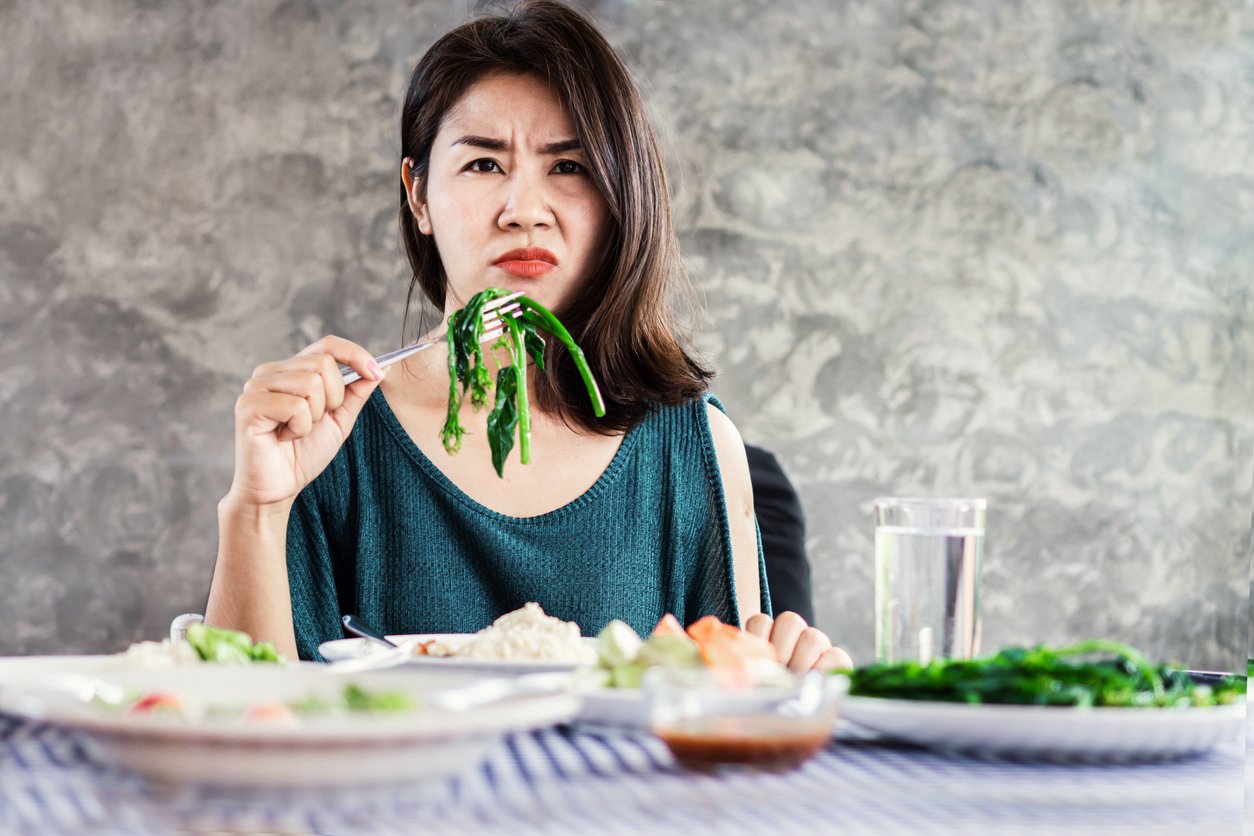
x,y
491,144
483,142
562,147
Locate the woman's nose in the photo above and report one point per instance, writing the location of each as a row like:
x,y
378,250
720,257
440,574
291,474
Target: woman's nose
x,y
526,204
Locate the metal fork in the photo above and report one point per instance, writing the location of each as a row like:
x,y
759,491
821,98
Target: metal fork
x,y
493,325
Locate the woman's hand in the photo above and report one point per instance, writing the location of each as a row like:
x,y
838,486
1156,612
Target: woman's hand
x,y
798,645
293,417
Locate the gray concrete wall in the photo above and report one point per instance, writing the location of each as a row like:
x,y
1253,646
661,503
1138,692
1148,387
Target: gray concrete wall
x,y
993,248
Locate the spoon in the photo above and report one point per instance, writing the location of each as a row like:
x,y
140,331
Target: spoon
x,y
356,626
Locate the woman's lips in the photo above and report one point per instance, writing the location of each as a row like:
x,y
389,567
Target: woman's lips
x,y
529,268
527,262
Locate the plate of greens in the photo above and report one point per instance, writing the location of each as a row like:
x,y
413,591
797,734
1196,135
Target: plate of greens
x,y
1096,700
254,726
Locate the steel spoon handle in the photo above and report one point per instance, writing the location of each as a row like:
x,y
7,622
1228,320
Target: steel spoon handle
x,y
356,626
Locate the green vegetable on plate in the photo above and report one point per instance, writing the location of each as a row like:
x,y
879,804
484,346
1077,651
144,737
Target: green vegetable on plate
x,y
217,644
1042,675
623,657
359,699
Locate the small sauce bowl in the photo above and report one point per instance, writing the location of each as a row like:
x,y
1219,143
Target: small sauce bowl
x,y
708,724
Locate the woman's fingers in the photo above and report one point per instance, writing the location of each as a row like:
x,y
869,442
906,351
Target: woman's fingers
x,y
833,658
781,632
785,633
313,374
759,624
796,644
267,410
810,646
323,365
306,384
347,353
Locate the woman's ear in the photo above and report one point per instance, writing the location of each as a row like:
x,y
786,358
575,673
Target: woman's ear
x,y
413,192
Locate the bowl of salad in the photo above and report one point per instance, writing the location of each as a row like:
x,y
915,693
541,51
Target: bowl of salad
x,y
709,650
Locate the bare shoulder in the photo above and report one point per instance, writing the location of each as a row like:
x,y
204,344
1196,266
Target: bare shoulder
x,y
729,447
723,430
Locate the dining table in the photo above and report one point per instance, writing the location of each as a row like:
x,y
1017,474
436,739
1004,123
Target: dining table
x,y
581,779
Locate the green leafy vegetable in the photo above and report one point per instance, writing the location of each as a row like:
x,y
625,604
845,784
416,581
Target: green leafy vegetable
x,y
1044,676
217,644
468,374
357,698
624,656
311,704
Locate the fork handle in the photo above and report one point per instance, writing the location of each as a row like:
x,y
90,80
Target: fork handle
x,y
500,306
385,360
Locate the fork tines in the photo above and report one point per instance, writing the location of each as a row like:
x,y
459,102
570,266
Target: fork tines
x,y
496,309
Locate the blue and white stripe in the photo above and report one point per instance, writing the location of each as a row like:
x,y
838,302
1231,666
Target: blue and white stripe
x,y
562,781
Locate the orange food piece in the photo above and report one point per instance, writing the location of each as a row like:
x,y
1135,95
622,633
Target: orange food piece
x,y
156,702
736,650
723,645
668,626
270,712
703,630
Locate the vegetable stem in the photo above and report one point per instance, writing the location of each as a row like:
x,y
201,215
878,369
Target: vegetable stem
x,y
1122,650
542,317
518,352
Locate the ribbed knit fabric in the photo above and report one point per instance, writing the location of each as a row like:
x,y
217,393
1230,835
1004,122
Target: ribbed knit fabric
x,y
383,534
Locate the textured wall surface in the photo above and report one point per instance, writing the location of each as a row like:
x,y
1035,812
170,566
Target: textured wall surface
x,y
990,248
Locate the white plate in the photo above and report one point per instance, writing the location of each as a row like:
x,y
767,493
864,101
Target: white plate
x,y
321,751
341,649
626,708
1050,731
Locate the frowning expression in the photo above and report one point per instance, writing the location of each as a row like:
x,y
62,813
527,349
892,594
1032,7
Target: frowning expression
x,y
508,196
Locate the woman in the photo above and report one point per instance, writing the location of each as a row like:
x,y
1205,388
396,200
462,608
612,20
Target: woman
x,y
529,164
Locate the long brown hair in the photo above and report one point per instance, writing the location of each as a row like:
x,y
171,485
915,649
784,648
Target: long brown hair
x,y
622,319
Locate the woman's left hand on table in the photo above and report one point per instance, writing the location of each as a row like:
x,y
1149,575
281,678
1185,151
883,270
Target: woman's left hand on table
x,y
798,645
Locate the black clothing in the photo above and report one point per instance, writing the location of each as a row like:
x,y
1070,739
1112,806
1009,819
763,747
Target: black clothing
x,y
783,527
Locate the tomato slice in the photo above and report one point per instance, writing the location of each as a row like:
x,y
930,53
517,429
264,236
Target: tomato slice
x,y
156,702
668,626
704,630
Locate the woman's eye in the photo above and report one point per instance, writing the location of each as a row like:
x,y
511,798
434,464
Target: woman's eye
x,y
568,167
484,165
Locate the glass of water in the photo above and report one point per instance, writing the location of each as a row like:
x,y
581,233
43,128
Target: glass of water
x,y
928,554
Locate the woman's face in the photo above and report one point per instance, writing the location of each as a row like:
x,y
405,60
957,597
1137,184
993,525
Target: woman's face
x,y
508,195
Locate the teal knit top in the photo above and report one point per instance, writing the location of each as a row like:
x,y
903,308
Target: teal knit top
x,y
383,534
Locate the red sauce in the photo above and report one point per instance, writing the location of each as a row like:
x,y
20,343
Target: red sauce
x,y
763,742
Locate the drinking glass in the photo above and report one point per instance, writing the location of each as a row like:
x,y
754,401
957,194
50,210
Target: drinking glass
x,y
928,554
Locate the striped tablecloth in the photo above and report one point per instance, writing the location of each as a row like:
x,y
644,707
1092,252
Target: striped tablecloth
x,y
569,781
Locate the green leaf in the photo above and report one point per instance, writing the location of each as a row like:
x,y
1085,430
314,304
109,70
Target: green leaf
x,y
535,344
232,647
357,698
503,419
